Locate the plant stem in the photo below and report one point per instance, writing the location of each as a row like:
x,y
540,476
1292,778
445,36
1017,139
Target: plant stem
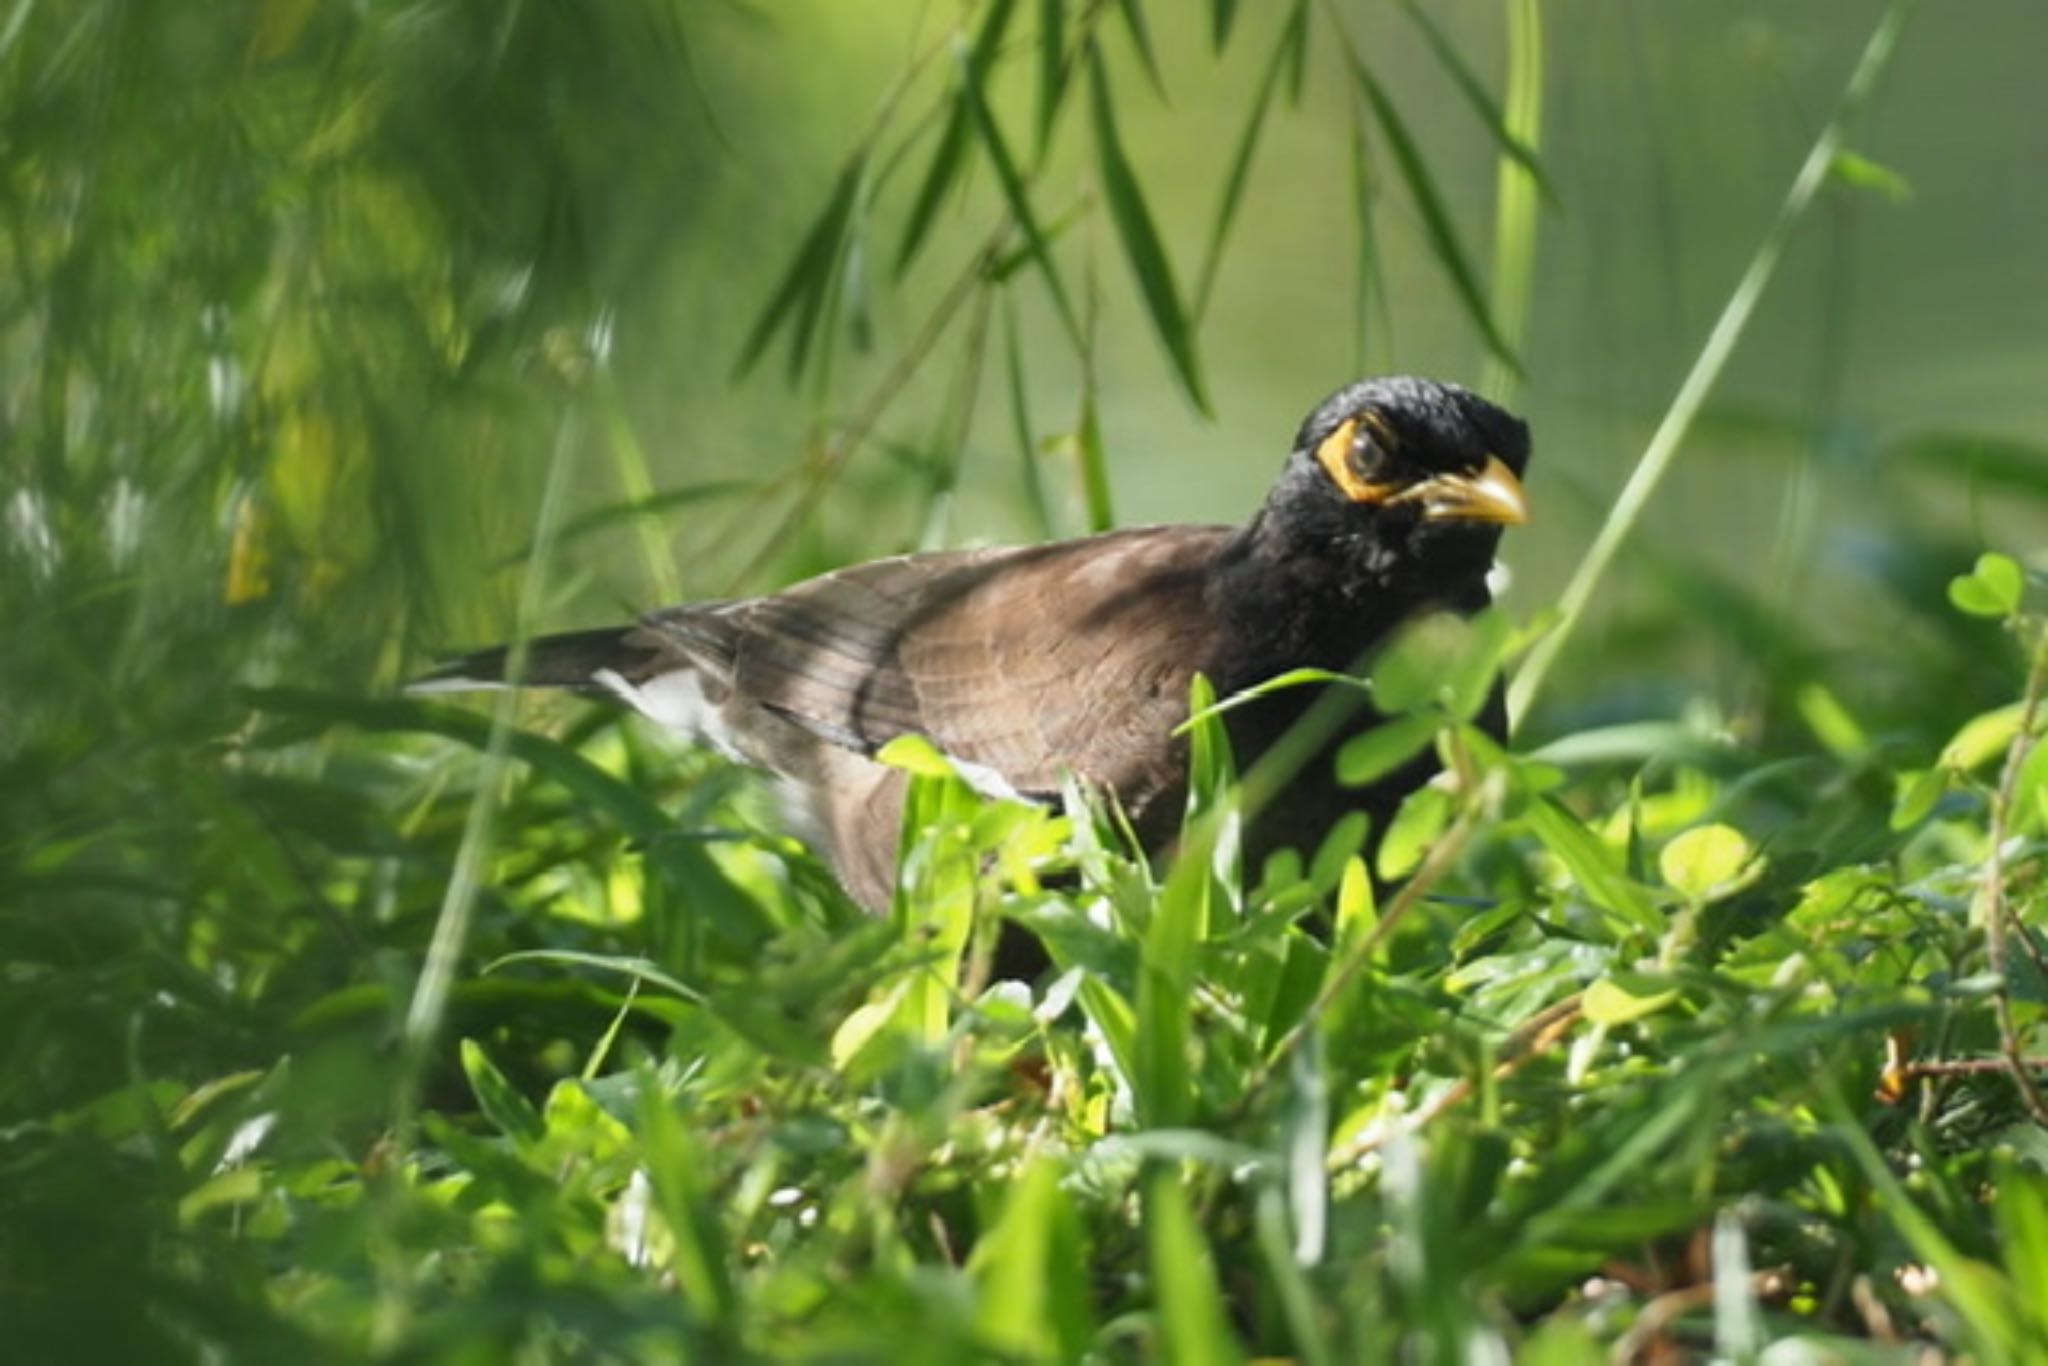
x,y
1706,369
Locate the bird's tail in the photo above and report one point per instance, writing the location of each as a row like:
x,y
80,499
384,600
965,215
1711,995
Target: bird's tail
x,y
578,660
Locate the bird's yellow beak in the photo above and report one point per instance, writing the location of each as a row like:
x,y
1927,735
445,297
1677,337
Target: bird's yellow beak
x,y
1494,494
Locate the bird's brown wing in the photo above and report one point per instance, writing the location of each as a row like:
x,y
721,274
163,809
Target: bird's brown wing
x,y
1028,663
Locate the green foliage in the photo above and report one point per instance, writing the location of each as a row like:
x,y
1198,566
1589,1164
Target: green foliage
x,y
1708,1027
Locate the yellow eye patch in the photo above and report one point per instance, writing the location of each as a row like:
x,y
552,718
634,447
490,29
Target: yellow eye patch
x,y
1334,455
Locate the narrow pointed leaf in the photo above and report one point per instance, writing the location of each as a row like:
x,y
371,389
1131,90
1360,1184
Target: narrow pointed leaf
x,y
1479,97
1052,67
809,276
1436,215
949,156
1015,191
1141,38
1241,160
1141,242
1222,14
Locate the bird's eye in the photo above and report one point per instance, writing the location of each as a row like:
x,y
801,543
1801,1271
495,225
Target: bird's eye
x,y
1358,460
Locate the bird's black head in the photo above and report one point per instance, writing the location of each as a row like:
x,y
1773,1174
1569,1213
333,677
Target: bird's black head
x,y
1406,473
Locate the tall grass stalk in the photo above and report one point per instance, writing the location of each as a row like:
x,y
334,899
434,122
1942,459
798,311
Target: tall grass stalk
x,y
1517,195
1706,369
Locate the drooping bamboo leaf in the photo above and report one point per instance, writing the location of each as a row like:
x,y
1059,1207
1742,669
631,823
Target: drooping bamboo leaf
x,y
949,154
1436,215
1141,242
1141,38
1052,68
1241,160
1222,14
809,278
1015,191
1479,97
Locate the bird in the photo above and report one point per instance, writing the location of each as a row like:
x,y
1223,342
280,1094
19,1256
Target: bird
x,y
1028,665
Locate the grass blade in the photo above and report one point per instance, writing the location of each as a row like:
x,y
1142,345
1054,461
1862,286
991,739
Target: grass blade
x,y
1141,243
1706,368
1052,68
1141,38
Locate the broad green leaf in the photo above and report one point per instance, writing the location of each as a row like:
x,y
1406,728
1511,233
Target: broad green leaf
x,y
1032,1273
1708,862
1982,738
1918,794
1831,722
1192,1316
1992,589
1607,1002
1415,827
1373,755
511,1113
1140,239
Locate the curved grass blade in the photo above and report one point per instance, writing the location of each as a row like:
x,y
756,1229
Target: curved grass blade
x,y
809,278
1292,35
1707,367
1094,466
1141,242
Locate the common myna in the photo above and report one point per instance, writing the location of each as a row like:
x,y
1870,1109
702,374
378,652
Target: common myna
x,y
1027,663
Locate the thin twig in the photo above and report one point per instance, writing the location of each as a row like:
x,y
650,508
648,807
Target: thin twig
x,y
1992,898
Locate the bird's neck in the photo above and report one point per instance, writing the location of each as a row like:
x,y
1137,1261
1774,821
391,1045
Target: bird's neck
x,y
1306,585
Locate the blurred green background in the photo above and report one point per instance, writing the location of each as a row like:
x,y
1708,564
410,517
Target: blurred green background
x,y
302,300
314,317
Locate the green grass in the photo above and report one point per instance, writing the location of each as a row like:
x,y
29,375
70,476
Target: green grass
x,y
341,1026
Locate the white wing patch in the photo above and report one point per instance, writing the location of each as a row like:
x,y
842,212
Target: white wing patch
x,y
677,700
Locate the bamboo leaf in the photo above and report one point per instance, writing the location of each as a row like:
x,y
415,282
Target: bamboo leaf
x,y
1141,38
1015,191
1222,14
1141,242
949,156
1436,215
1052,67
1479,97
1291,35
809,277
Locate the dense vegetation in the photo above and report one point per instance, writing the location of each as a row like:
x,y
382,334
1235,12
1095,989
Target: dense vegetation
x,y
341,1025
